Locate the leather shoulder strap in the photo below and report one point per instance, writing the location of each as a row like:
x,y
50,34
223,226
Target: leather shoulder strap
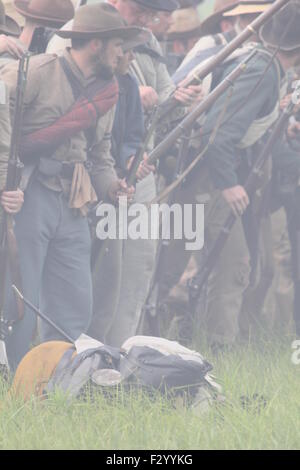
x,y
78,90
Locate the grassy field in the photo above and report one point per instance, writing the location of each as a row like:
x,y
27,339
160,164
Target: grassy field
x,y
134,422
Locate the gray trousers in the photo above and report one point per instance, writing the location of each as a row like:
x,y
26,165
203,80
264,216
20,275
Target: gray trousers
x,y
219,317
54,245
121,281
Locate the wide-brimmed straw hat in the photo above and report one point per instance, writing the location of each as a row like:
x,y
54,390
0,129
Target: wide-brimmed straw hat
x,y
248,7
99,21
49,13
7,24
282,30
186,23
212,24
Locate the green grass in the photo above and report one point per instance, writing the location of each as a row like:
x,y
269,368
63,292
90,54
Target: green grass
x,y
135,422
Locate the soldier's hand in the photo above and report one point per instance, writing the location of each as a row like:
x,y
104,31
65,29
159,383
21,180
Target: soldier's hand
x,y
190,95
237,198
149,97
10,46
119,189
12,201
294,130
285,101
144,169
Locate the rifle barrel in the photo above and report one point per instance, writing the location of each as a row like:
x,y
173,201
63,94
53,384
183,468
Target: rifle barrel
x,y
188,122
168,105
9,256
14,164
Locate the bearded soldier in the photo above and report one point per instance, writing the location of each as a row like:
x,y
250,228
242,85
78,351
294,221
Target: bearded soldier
x,y
60,124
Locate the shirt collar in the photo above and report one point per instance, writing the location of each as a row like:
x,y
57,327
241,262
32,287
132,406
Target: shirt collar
x,y
76,70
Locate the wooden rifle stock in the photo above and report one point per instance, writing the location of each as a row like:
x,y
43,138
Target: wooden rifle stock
x,y
131,176
197,283
188,122
168,105
8,243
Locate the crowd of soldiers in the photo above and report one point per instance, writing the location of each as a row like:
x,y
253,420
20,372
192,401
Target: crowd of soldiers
x,y
97,73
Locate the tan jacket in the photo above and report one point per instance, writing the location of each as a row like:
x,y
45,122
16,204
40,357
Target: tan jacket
x,y
49,96
149,71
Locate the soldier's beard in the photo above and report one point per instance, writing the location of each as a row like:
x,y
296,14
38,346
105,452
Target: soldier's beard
x,y
101,68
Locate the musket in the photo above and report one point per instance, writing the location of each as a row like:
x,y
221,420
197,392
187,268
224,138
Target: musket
x,y
206,68
131,175
197,283
8,244
189,121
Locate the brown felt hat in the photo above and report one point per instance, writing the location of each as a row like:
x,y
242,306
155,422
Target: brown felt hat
x,y
7,24
248,7
212,24
186,23
282,30
99,21
48,13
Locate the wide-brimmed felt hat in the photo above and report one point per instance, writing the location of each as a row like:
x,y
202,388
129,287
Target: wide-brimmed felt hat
x,y
159,5
48,13
248,7
221,4
282,30
99,20
186,23
212,24
7,24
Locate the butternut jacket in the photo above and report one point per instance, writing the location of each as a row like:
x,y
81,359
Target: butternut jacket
x,y
49,96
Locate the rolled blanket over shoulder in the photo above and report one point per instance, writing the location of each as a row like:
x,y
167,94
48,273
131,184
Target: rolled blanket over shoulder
x,y
83,115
